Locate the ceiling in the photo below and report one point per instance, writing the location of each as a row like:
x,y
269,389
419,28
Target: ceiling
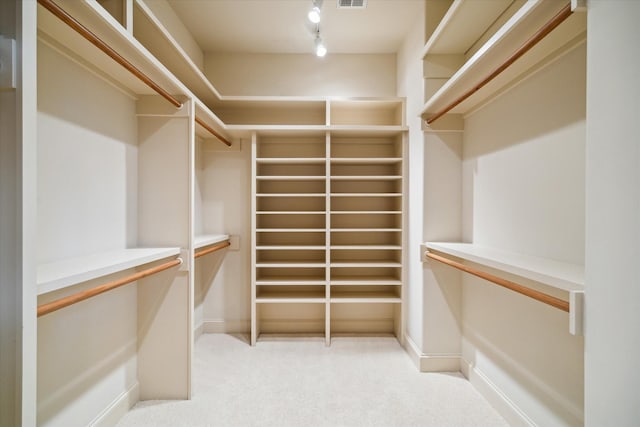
x,y
281,26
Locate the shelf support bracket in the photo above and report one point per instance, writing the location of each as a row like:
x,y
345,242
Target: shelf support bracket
x,y
576,313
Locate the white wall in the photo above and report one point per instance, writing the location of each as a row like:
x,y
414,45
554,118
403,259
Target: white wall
x,y
223,279
87,187
302,74
87,156
524,168
613,211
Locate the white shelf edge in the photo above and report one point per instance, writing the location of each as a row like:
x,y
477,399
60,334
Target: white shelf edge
x,y
290,300
560,275
366,247
209,239
365,264
371,282
291,264
366,177
290,230
365,194
68,272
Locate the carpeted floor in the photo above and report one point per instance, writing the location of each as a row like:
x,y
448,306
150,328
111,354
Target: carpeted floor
x,y
299,382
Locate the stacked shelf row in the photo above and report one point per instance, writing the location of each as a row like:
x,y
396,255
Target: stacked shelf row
x,y
328,232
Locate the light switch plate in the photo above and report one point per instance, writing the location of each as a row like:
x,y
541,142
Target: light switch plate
x,y
7,63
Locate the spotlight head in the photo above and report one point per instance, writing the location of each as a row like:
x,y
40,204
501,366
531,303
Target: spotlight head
x,y
314,15
321,50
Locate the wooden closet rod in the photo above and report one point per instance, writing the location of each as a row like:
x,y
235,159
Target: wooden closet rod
x,y
213,248
96,41
88,293
531,293
542,33
213,132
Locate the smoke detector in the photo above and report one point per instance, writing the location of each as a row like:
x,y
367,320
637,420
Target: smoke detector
x,y
352,4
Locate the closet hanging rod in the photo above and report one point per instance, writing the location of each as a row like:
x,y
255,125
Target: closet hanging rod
x,y
215,247
537,37
213,132
108,50
97,290
531,293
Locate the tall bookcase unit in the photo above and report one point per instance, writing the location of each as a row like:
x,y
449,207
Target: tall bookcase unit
x,y
327,205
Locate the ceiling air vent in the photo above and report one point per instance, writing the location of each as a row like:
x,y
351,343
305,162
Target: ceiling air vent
x,y
352,4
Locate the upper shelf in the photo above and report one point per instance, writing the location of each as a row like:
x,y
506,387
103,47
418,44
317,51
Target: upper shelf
x,y
98,21
463,25
69,272
559,275
498,48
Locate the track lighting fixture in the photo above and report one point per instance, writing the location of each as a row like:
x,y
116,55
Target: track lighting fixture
x,y
314,13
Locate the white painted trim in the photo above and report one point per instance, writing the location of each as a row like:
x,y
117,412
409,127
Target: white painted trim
x,y
118,408
431,362
197,331
498,400
221,326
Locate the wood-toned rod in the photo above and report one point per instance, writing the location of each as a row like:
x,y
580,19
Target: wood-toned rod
x,y
89,293
539,35
211,249
104,47
531,293
213,132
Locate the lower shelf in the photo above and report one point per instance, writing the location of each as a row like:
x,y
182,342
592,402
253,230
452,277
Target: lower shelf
x,y
68,272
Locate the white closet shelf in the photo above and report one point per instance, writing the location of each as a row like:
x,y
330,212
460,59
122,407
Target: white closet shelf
x,y
289,178
366,194
209,239
97,20
366,247
290,195
365,160
290,299
291,264
290,212
463,24
290,160
365,264
365,212
366,298
290,248
495,51
291,281
68,272
290,230
364,230
160,41
366,281
366,177
556,274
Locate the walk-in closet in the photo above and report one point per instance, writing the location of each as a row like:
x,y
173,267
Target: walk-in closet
x,y
319,212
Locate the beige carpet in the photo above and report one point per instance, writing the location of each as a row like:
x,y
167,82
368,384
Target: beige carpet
x,y
299,382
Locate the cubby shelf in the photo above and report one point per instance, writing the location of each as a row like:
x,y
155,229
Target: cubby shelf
x,y
361,241
68,272
556,274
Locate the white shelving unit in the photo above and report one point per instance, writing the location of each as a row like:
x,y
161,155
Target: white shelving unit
x,y
115,193
328,222
472,39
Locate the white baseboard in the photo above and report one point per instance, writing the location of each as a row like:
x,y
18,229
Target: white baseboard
x,y
198,331
431,362
500,402
118,408
221,326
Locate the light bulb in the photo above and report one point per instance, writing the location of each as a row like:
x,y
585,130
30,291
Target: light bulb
x,y
320,49
314,15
